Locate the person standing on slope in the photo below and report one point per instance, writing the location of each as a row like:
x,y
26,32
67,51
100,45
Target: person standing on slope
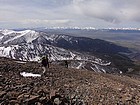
x,y
66,63
45,63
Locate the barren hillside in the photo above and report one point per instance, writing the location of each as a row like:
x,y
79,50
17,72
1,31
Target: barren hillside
x,y
72,86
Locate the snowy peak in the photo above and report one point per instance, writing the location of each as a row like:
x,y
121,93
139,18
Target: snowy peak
x,y
17,37
26,36
31,35
6,32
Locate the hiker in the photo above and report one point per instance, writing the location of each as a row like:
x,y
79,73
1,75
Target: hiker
x,y
47,60
66,63
45,63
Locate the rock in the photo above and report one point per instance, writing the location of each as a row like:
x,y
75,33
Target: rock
x,y
20,86
12,95
22,97
128,97
32,99
43,100
1,87
38,103
42,93
13,102
2,93
26,88
26,96
52,93
57,101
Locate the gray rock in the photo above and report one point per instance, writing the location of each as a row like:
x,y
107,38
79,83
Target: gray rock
x,y
2,93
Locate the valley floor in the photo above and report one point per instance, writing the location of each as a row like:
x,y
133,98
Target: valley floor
x,y
72,85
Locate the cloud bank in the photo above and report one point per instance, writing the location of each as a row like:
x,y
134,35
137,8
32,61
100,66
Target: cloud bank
x,y
82,13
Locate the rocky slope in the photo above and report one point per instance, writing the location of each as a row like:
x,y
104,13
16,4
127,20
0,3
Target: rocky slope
x,y
81,87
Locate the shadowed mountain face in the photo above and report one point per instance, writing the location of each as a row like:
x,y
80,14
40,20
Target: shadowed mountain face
x,y
83,44
30,45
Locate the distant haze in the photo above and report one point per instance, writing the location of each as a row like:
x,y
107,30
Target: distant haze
x,y
70,13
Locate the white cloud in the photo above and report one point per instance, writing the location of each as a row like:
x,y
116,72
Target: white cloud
x,y
96,13
109,10
44,22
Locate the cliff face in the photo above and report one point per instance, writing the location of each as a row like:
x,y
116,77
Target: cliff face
x,y
63,86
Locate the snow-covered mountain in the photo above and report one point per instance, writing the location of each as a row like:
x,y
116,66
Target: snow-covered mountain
x,y
17,37
30,45
90,28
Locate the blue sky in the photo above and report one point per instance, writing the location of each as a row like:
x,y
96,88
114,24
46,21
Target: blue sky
x,y
70,13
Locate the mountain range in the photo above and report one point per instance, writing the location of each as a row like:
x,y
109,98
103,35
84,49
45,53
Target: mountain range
x,y
82,52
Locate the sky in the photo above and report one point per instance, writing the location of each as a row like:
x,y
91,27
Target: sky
x,y
70,13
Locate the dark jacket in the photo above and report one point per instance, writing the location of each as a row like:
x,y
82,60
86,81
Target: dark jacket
x,y
44,62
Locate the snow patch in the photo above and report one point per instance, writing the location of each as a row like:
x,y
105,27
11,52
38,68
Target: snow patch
x,y
103,70
4,51
93,68
20,62
24,74
79,66
1,37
